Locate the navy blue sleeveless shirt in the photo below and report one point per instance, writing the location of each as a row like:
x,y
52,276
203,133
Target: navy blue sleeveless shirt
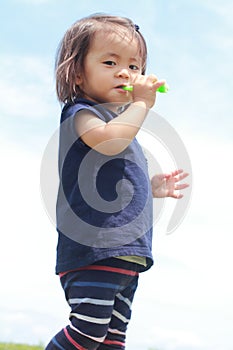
x,y
104,203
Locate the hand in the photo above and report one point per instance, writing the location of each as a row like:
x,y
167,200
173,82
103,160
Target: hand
x,y
167,185
144,89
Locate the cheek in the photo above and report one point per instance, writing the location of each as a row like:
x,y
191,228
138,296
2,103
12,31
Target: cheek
x,y
136,73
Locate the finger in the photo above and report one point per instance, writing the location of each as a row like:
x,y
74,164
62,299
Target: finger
x,y
167,176
181,186
178,172
184,175
181,177
138,79
173,174
157,85
154,82
152,78
177,195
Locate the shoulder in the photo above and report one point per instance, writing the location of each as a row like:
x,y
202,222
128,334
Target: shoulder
x,y
72,108
100,111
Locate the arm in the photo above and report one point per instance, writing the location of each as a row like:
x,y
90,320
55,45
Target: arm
x,y
113,137
167,185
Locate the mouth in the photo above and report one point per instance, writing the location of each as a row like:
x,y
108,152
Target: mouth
x,y
123,87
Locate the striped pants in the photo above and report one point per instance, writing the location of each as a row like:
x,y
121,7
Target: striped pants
x,y
100,297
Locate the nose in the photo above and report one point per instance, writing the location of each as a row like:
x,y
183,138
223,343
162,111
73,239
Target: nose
x,y
123,73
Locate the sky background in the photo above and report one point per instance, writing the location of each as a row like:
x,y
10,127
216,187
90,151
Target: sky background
x,y
185,301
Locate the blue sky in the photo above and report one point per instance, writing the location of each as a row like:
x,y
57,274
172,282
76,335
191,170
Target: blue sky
x,y
185,301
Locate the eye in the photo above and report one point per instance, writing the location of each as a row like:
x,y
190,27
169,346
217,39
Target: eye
x,y
109,63
133,67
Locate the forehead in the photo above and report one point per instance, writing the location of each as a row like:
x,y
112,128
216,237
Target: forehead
x,y
103,42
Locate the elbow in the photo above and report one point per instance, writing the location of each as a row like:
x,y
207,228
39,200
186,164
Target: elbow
x,y
112,147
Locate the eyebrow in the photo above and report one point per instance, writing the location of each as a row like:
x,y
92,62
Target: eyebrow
x,y
114,55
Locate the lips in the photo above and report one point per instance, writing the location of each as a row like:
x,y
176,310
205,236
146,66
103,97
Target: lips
x,y
122,86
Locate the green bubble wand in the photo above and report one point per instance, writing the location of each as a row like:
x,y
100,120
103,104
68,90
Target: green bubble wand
x,y
163,88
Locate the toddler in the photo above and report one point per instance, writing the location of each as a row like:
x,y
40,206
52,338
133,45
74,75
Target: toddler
x,y
104,204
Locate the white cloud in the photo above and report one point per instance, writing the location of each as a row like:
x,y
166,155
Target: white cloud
x,y
27,88
33,2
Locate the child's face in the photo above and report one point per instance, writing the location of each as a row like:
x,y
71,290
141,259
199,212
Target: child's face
x,y
110,63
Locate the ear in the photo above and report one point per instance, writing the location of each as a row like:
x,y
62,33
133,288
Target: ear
x,y
78,80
